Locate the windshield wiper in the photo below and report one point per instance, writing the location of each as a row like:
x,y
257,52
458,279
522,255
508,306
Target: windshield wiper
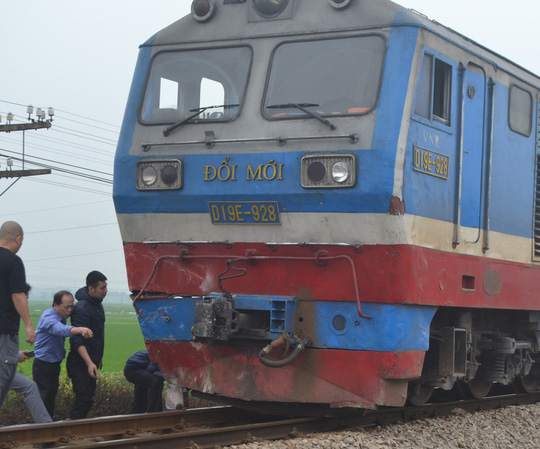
x,y
198,111
302,107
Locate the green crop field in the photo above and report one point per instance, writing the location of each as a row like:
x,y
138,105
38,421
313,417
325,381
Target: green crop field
x,y
123,336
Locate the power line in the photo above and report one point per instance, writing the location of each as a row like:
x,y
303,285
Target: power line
x,y
56,162
65,112
53,208
87,138
81,135
87,118
69,177
63,170
71,268
74,255
64,153
88,134
107,141
71,229
70,186
116,131
108,156
10,186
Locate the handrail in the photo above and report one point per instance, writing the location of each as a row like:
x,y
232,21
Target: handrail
x,y
485,247
280,140
320,256
457,229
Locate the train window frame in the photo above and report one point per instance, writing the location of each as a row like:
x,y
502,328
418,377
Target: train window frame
x,y
434,89
223,118
519,114
283,115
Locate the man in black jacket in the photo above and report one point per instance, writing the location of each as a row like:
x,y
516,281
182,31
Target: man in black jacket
x,y
86,355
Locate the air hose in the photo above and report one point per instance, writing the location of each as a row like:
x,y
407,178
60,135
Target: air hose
x,y
284,339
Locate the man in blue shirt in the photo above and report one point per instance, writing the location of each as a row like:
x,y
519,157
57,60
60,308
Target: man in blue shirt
x,y
49,352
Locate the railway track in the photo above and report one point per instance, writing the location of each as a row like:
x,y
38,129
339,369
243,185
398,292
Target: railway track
x,y
218,426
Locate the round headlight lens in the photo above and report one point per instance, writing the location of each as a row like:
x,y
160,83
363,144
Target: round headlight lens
x,y
203,10
270,7
316,171
149,175
169,175
340,171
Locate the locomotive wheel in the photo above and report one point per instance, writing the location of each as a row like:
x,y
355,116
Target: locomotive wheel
x,y
475,389
526,384
419,394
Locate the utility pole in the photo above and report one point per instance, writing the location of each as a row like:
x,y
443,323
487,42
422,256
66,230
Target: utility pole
x,y
39,124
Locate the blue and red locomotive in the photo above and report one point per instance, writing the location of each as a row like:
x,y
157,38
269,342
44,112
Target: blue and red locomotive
x,y
329,204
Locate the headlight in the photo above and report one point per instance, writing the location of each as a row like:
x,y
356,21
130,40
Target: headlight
x,y
341,171
270,7
169,174
203,10
263,10
148,175
328,171
159,174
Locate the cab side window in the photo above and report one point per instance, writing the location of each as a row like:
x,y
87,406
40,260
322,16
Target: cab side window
x,y
434,90
520,111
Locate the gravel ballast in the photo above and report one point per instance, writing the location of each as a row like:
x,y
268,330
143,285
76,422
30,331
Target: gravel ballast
x,y
508,428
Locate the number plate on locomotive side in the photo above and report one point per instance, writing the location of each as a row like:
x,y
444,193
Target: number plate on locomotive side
x,y
244,212
430,162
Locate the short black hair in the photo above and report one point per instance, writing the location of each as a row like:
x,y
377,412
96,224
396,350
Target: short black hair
x,y
57,298
94,278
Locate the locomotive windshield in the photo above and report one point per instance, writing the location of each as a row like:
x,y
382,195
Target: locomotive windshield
x,y
333,77
206,84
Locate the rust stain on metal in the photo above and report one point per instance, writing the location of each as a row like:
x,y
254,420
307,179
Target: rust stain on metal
x,y
397,206
305,323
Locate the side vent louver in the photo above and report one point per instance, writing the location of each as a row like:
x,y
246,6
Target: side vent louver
x,y
536,249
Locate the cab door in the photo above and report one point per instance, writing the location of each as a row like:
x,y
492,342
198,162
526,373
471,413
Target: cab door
x,y
473,140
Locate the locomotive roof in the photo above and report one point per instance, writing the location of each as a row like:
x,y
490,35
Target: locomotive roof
x,y
230,23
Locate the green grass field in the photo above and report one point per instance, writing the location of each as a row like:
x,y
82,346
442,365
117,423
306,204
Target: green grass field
x,y
123,336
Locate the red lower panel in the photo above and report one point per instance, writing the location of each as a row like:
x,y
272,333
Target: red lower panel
x,y
339,378
386,274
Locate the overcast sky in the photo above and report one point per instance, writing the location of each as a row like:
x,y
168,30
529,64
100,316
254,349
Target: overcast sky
x,y
78,57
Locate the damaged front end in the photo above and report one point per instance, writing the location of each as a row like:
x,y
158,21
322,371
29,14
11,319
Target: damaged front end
x,y
216,319
222,318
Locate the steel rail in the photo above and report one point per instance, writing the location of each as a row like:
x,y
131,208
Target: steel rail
x,y
119,425
222,436
189,429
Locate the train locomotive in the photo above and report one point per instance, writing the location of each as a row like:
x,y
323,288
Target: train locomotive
x,y
330,205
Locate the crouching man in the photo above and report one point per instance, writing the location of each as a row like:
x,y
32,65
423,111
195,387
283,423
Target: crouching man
x,y
148,381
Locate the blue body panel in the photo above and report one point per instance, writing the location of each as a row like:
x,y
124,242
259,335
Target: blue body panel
x,y
371,194
390,328
512,172
129,123
513,155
